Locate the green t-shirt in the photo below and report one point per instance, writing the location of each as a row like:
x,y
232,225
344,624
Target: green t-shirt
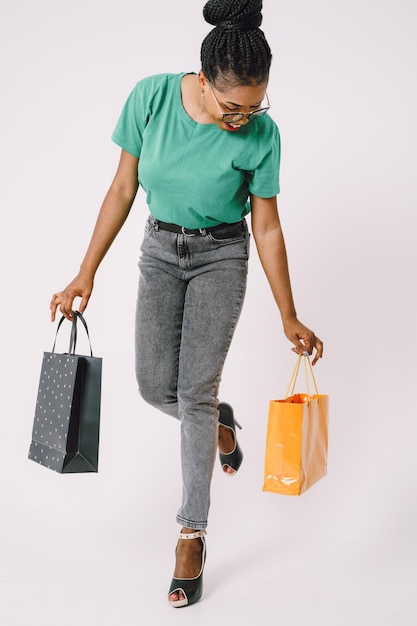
x,y
195,175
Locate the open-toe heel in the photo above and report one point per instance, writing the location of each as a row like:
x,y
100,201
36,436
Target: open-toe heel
x,y
191,588
232,460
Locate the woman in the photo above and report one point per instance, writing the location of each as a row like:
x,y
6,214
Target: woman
x,y
208,155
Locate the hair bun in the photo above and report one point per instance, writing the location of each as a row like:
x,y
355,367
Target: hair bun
x,y
231,14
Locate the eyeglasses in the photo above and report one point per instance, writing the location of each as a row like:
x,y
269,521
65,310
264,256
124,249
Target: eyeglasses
x,y
232,118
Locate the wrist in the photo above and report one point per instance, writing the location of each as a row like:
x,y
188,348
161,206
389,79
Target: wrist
x,y
289,317
86,273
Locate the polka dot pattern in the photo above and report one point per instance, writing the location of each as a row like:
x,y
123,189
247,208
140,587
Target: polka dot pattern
x,y
57,430
53,410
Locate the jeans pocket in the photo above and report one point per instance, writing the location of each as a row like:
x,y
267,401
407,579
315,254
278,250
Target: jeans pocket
x,y
229,233
218,239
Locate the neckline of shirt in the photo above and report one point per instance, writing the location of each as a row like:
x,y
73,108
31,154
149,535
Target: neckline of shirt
x,y
183,112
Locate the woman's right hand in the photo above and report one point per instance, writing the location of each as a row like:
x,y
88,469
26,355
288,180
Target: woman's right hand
x,y
80,287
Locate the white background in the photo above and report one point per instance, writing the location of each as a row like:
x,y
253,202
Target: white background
x,y
98,549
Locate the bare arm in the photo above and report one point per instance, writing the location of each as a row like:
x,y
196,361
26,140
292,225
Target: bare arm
x,y
269,239
112,215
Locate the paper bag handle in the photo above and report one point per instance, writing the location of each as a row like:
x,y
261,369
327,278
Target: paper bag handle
x,y
73,337
293,380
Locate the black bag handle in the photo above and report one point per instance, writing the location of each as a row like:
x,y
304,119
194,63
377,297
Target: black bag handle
x,y
73,338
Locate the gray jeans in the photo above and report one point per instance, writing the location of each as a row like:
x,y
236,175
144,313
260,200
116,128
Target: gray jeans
x,y
191,291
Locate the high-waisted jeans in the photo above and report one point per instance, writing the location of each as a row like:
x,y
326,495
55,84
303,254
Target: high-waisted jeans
x,y
191,291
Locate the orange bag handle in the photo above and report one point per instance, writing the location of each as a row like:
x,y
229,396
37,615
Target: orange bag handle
x,y
293,380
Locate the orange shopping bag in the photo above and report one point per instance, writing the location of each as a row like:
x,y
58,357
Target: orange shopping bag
x,y
297,438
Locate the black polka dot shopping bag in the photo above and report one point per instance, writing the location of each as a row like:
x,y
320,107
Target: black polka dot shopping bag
x,y
66,426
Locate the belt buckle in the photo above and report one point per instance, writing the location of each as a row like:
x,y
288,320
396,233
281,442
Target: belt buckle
x,y
183,230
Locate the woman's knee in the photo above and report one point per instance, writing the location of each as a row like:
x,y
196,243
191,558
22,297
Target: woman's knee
x,y
157,396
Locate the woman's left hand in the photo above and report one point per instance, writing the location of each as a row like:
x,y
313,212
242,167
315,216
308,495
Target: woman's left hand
x,y
303,338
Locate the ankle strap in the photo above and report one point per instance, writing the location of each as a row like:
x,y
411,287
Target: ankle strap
x,y
198,534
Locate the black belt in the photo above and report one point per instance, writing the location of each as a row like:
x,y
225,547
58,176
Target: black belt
x,y
174,228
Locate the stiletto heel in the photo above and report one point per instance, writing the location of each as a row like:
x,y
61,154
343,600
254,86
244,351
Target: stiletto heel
x,y
234,458
191,588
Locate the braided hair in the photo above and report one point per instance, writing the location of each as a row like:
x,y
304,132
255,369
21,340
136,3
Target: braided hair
x,y
236,51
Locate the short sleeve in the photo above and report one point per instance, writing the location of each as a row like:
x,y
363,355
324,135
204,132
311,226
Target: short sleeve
x,y
264,181
135,114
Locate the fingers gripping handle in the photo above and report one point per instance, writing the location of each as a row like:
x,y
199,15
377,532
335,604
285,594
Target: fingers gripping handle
x,y
73,337
291,386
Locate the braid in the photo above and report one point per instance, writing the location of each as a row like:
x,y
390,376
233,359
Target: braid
x,y
236,50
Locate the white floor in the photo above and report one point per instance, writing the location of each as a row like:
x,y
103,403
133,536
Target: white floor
x,y
97,550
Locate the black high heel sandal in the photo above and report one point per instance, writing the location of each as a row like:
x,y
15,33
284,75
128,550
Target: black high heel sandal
x,y
191,588
233,459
